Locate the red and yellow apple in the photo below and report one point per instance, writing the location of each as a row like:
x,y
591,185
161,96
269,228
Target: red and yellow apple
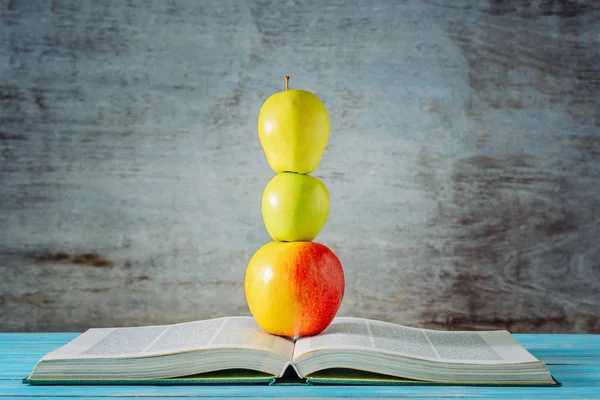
x,y
295,207
294,288
293,128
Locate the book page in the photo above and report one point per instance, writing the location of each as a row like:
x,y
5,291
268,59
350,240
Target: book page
x,y
488,347
130,342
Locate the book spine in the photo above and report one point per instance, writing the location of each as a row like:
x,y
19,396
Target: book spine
x,y
288,365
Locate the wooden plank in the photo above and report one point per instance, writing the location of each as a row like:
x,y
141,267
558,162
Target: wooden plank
x,y
186,396
557,340
236,397
561,345
463,162
35,338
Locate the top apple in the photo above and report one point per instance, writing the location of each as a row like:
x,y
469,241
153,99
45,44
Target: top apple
x,y
293,128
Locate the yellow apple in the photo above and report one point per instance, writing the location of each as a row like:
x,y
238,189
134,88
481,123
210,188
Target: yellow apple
x,y
293,128
295,207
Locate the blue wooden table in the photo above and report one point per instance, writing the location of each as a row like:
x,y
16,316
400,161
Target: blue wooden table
x,y
573,359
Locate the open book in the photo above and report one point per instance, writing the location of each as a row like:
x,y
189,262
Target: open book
x,y
236,350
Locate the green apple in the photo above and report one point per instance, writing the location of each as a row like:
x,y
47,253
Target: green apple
x,y
293,128
295,207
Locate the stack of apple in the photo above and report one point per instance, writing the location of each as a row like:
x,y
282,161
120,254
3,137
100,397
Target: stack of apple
x,y
294,286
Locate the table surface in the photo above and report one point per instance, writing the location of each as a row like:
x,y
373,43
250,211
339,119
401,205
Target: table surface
x,y
574,360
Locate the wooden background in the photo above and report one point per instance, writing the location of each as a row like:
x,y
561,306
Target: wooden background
x,y
463,163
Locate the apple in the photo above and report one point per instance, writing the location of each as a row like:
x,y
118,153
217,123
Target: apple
x,y
294,288
293,128
295,207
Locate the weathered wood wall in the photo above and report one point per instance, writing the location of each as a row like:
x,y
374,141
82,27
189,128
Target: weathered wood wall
x,y
463,164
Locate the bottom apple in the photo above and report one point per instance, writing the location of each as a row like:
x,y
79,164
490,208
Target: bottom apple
x,y
294,288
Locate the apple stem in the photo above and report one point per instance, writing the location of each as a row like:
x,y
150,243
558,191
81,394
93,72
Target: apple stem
x,y
287,81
